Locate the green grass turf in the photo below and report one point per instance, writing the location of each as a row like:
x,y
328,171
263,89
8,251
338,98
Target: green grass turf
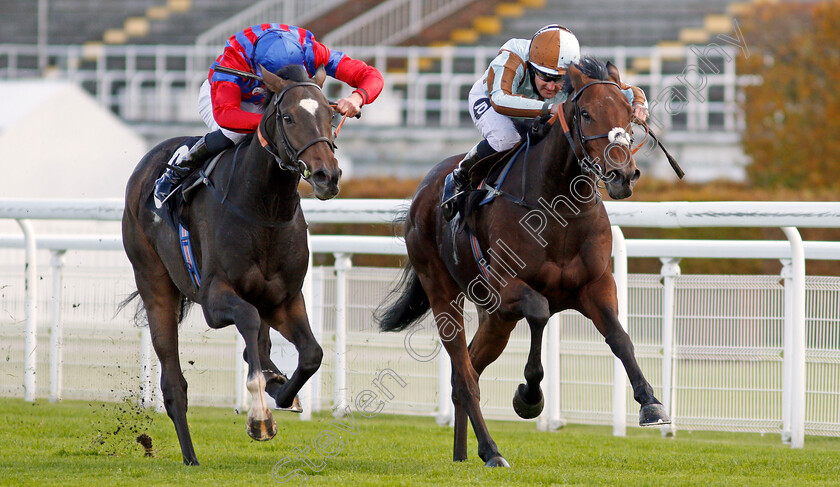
x,y
84,443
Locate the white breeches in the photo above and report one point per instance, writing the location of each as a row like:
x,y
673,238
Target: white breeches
x,y
498,129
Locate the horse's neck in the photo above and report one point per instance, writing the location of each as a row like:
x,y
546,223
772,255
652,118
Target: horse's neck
x,y
559,176
262,187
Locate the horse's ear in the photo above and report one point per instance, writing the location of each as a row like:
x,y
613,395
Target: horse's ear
x,y
613,72
577,76
320,76
272,81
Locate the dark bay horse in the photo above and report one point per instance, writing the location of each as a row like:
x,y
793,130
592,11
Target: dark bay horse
x,y
544,251
249,247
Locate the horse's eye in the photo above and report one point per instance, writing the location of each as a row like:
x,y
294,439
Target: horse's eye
x,y
585,115
288,118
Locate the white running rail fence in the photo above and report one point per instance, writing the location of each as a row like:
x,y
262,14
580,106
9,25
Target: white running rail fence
x,y
734,353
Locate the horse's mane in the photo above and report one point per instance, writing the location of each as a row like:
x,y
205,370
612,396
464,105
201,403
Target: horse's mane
x,y
590,67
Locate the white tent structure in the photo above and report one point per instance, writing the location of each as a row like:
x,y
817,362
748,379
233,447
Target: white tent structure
x,y
56,141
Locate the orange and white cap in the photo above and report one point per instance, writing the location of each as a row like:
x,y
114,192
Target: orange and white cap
x,y
552,49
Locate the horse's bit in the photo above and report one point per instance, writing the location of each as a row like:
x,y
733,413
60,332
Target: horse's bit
x,y
295,164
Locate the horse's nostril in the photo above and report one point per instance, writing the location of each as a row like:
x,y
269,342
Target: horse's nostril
x,y
614,176
320,176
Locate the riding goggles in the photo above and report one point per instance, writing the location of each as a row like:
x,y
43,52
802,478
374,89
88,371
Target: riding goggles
x,y
548,78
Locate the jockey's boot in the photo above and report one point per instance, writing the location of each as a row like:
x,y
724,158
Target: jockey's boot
x,y
461,176
183,162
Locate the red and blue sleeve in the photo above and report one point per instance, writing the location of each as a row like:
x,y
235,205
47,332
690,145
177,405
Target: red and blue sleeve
x,y
365,78
226,93
227,99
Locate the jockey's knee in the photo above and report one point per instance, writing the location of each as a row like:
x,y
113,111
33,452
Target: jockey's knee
x,y
234,137
503,142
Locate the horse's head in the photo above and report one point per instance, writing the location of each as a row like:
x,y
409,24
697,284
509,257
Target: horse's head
x,y
302,121
599,116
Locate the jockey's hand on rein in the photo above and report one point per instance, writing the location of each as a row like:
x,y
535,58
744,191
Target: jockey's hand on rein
x,y
350,106
640,112
540,126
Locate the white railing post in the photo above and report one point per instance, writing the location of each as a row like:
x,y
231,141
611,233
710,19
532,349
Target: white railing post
x,y
446,410
619,252
669,272
160,407
316,322
30,306
542,419
787,344
146,385
342,265
550,419
305,394
56,332
240,380
555,421
798,370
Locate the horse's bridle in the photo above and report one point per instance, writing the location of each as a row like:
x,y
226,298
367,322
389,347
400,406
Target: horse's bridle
x,y
295,163
586,163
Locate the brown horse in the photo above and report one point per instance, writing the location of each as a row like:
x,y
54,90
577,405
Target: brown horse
x,y
250,250
544,252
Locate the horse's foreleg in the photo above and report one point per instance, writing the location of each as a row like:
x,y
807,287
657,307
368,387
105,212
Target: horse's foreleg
x,y
274,378
222,306
523,300
291,321
601,306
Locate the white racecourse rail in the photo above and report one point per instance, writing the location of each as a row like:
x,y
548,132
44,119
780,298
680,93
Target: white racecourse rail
x,y
734,353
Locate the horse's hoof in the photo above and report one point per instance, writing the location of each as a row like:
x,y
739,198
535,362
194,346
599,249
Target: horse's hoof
x,y
262,430
653,414
497,461
523,409
294,408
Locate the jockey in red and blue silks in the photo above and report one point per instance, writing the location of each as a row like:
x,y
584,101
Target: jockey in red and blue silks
x,y
231,105
275,46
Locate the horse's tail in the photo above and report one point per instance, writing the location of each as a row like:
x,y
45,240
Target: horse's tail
x,y
140,318
410,306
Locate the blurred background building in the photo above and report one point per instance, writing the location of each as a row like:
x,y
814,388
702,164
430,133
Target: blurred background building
x,y
143,61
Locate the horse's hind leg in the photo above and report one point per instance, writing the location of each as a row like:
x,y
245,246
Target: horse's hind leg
x,y
291,321
465,390
600,304
163,322
222,307
162,302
